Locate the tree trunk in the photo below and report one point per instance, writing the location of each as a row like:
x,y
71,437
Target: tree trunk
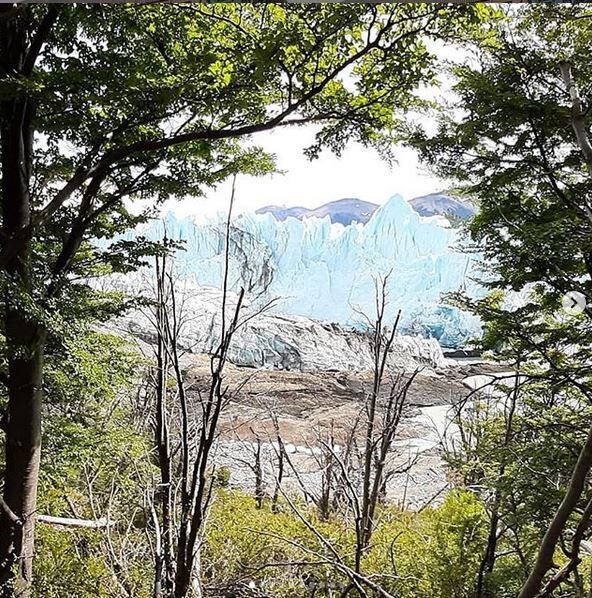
x,y
162,434
488,561
25,337
196,589
182,575
258,470
23,451
25,341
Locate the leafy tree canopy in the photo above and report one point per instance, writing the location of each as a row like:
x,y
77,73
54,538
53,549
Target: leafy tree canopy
x,y
512,146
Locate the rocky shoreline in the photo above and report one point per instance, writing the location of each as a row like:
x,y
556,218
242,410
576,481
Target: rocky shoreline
x,y
300,406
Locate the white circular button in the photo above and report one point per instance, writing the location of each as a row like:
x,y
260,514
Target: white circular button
x,y
574,302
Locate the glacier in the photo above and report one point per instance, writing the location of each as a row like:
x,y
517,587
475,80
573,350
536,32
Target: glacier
x,y
271,341
327,271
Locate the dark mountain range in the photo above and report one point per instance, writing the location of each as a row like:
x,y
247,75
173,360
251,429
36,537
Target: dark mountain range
x,y
345,211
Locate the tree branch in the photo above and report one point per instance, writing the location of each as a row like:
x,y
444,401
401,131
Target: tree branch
x,y
577,114
71,522
43,31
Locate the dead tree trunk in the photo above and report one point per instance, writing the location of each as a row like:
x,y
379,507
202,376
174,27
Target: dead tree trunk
x,y
180,548
166,569
357,482
196,482
258,471
383,414
281,453
194,460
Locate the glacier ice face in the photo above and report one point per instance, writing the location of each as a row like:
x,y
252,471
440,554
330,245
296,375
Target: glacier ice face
x,y
327,271
267,340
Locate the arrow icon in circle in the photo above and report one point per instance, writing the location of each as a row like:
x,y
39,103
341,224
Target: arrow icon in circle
x,y
574,302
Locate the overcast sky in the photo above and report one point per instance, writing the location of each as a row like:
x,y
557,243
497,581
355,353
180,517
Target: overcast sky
x,y
359,173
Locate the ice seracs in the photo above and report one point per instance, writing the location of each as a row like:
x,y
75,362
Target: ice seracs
x,y
325,270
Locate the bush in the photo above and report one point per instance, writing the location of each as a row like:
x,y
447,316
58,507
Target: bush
x,y
434,553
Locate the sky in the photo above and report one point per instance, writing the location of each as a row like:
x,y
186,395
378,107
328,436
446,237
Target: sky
x,y
359,173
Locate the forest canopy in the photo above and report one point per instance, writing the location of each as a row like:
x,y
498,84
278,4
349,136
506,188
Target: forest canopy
x,y
113,474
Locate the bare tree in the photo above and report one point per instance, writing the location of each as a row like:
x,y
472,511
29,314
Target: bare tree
x,y
185,470
336,456
164,561
186,479
336,475
187,430
253,461
383,409
281,459
355,464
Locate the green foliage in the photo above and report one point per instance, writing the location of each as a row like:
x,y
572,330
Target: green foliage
x,y
75,563
222,477
97,462
510,144
436,552
524,473
89,392
70,564
130,106
95,465
512,148
91,366
432,553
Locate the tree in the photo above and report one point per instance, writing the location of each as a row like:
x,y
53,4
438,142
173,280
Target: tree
x,y
357,464
517,447
100,105
187,468
177,562
519,145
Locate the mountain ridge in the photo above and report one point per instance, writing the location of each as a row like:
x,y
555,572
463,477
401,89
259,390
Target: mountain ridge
x,y
442,204
343,211
349,210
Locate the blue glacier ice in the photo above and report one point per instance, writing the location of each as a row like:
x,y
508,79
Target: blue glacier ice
x,y
327,271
